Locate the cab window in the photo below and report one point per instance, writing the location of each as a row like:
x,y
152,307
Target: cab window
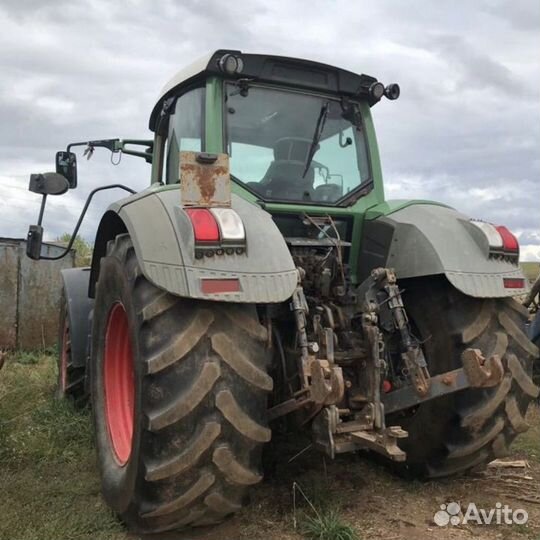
x,y
185,130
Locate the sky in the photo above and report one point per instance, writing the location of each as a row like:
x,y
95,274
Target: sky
x,y
465,131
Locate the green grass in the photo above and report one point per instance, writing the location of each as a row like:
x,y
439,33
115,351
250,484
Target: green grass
x,y
528,443
530,269
49,486
327,525
321,517
28,357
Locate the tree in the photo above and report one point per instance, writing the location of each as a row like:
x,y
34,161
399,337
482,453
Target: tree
x,y
83,249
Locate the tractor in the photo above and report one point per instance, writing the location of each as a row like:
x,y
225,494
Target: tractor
x,y
263,282
532,302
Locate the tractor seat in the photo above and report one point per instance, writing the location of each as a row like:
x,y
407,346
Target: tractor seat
x,y
328,193
283,180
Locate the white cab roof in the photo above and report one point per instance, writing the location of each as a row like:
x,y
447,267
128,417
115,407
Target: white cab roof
x,y
186,73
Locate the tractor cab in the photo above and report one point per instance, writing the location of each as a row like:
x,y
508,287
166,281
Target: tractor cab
x,y
295,131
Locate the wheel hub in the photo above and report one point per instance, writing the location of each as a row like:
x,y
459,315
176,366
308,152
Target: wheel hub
x,y
119,383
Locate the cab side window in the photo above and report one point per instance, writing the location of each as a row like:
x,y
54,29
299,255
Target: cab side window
x,y
185,130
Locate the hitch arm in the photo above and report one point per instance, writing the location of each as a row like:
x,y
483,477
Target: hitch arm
x,y
477,372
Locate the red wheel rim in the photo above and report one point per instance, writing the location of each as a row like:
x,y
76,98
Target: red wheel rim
x,y
66,348
119,383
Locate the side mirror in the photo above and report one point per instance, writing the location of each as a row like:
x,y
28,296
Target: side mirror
x,y
48,184
34,239
66,165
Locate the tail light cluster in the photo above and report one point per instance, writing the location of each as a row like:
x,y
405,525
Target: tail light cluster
x,y
217,231
501,241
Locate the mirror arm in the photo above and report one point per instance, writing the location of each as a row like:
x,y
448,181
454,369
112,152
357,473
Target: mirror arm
x,y
81,217
119,145
42,208
110,144
145,155
139,142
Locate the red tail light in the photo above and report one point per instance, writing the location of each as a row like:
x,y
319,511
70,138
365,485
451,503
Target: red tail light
x,y
205,226
500,240
510,242
217,286
514,283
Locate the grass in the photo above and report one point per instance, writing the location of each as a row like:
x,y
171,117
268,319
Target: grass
x,y
530,269
321,518
327,525
528,443
49,486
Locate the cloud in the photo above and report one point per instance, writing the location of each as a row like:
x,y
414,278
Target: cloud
x,y
465,130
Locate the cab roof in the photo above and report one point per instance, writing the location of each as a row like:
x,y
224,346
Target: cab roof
x,y
285,71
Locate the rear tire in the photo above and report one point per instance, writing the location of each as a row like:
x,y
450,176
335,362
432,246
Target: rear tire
x,y
536,327
199,401
461,431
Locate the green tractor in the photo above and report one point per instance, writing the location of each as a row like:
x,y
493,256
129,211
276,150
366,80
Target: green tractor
x,y
263,280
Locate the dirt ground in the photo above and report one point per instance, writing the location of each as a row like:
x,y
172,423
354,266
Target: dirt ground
x,y
49,488
380,505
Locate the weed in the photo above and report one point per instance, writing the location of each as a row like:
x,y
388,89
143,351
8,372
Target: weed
x,y
327,525
28,357
323,522
34,356
51,350
528,443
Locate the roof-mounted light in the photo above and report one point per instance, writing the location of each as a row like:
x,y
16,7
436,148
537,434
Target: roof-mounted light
x,y
231,64
376,90
392,91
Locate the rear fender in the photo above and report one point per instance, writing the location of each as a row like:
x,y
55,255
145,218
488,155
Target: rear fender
x,y
79,307
164,243
425,239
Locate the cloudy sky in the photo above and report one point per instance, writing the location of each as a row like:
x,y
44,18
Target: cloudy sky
x,y
466,130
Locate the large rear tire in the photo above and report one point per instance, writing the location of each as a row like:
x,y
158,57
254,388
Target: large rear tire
x,y
179,392
456,433
535,336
